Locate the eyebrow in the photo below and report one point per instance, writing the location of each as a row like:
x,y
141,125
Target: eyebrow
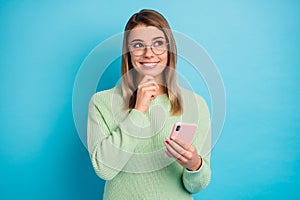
x,y
139,40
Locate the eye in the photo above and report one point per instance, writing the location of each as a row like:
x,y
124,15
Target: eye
x,y
138,45
158,43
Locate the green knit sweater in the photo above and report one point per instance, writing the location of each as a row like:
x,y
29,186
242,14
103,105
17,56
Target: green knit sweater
x,y
127,148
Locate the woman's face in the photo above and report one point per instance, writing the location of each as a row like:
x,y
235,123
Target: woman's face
x,y
148,50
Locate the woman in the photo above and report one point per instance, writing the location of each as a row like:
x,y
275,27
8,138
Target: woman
x,y
129,125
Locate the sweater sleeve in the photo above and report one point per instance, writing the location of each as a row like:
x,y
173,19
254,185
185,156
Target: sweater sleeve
x,y
110,150
195,181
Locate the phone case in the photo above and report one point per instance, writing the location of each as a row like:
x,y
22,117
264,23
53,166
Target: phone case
x,y
183,131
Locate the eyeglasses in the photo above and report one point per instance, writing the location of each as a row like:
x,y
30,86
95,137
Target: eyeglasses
x,y
158,47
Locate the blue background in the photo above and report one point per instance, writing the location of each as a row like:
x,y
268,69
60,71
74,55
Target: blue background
x,y
255,45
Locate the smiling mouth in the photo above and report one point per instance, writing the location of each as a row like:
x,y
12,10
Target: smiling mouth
x,y
149,65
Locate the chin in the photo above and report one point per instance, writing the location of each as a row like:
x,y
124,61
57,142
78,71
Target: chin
x,y
151,72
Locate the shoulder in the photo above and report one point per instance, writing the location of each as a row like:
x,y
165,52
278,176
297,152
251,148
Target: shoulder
x,y
107,96
188,96
195,109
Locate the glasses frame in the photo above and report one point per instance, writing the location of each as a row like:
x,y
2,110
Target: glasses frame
x,y
145,47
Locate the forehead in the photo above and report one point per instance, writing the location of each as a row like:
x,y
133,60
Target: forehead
x,y
145,33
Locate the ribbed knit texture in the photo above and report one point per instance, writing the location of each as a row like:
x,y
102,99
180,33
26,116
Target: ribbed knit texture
x,y
127,148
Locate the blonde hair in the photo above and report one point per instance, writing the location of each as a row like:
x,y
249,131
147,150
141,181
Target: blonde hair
x,y
129,85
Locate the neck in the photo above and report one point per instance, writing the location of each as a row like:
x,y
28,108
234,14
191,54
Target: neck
x,y
162,89
160,81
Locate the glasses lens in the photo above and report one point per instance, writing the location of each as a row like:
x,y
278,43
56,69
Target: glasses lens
x,y
138,52
137,49
159,47
159,50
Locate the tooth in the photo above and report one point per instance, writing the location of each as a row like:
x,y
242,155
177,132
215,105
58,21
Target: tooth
x,y
149,64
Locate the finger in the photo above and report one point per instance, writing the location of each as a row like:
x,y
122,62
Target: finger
x,y
187,153
171,151
148,89
144,89
190,150
180,142
167,153
148,79
179,151
149,83
179,158
174,154
145,96
148,95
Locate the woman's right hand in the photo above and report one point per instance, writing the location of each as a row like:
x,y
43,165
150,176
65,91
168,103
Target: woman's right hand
x,y
147,91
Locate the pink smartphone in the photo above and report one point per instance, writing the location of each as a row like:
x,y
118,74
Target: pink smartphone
x,y
183,131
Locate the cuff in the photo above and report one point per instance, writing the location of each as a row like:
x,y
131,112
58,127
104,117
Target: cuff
x,y
198,170
135,123
195,181
138,118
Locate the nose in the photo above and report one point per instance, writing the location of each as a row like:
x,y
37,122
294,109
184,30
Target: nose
x,y
148,52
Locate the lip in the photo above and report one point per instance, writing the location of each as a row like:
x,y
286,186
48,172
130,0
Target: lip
x,y
149,65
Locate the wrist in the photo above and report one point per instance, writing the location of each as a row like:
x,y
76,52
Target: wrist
x,y
197,166
141,109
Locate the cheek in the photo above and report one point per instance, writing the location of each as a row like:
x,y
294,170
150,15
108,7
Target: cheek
x,y
164,59
134,61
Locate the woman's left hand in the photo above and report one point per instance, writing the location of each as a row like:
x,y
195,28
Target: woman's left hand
x,y
185,154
